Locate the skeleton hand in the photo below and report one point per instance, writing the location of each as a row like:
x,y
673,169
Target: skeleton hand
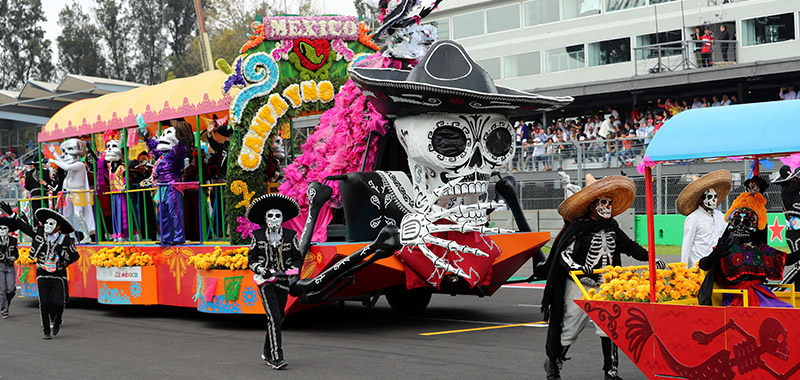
x,y
588,282
417,229
660,264
6,208
588,269
701,337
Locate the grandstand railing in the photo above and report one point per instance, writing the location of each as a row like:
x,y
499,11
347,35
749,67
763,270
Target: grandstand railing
x,y
682,55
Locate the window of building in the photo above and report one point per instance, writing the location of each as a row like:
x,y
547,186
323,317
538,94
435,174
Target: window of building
x,y
540,12
618,5
661,39
502,18
567,58
443,26
519,65
581,8
468,25
768,29
610,51
654,2
492,66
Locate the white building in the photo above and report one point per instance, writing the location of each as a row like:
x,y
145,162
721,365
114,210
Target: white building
x,y
588,48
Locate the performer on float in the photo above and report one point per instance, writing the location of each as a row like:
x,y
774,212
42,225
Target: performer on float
x,y
34,183
273,171
274,258
112,165
704,224
591,239
790,196
8,254
742,260
79,197
171,150
53,250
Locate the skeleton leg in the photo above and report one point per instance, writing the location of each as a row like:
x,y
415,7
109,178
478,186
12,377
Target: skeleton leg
x,y
610,358
78,210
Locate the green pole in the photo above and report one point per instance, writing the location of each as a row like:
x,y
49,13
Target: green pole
x,y
41,186
200,197
291,136
124,135
224,227
98,226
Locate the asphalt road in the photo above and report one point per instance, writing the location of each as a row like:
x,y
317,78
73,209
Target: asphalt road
x,y
332,342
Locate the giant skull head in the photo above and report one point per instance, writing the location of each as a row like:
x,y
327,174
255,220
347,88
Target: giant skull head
x,y
274,218
451,157
113,150
72,150
168,139
3,231
743,224
277,147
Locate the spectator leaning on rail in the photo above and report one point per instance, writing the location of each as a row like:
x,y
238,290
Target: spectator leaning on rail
x,y
787,93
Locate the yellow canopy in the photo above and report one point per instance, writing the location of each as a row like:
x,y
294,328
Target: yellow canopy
x,y
197,95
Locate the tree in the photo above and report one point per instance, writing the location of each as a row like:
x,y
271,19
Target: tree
x,y
78,47
112,20
181,32
148,41
24,52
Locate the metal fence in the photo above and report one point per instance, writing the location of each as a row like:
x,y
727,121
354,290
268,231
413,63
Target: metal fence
x,y
683,55
587,154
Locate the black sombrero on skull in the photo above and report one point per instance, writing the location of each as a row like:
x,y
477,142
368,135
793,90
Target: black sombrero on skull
x,y
257,211
11,223
446,80
64,226
33,159
786,174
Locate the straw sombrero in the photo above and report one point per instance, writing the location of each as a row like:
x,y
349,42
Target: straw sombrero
x,y
689,198
620,189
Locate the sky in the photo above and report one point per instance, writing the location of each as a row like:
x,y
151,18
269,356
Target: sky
x,y
52,7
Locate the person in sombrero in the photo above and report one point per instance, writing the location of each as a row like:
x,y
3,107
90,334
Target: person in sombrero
x,y
274,257
591,239
704,224
742,259
9,253
53,250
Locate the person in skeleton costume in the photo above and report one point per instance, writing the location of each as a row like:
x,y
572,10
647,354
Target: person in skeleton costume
x,y
112,165
790,196
274,257
742,260
8,254
273,171
452,121
34,183
79,198
171,149
53,250
704,224
590,239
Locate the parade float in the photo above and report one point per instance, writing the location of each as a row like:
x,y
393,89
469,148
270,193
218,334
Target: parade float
x,y
655,319
354,163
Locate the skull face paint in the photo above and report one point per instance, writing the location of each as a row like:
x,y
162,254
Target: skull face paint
x,y
753,187
602,206
274,218
742,224
50,225
451,157
72,150
709,199
167,140
277,147
3,231
113,151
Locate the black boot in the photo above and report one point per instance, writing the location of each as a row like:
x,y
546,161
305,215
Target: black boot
x,y
610,359
552,369
563,357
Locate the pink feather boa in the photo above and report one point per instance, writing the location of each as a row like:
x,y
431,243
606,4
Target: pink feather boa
x,y
336,147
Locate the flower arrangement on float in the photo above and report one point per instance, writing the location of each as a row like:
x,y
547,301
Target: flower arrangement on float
x,y
23,258
120,257
632,284
230,259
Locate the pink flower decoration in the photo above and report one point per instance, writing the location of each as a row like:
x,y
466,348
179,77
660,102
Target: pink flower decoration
x,y
646,162
246,227
793,161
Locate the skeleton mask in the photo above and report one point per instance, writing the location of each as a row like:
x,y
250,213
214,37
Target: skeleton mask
x,y
753,188
451,157
603,207
72,150
167,140
3,231
50,226
277,147
113,150
742,224
274,219
709,199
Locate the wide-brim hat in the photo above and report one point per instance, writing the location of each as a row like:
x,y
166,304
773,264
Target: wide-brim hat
x,y
786,174
690,196
257,211
65,227
762,183
620,189
446,80
33,159
11,223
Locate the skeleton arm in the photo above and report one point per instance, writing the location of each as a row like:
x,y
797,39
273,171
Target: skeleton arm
x,y
256,259
77,165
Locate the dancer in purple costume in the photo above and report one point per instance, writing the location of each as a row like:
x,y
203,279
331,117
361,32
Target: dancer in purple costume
x,y
171,150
